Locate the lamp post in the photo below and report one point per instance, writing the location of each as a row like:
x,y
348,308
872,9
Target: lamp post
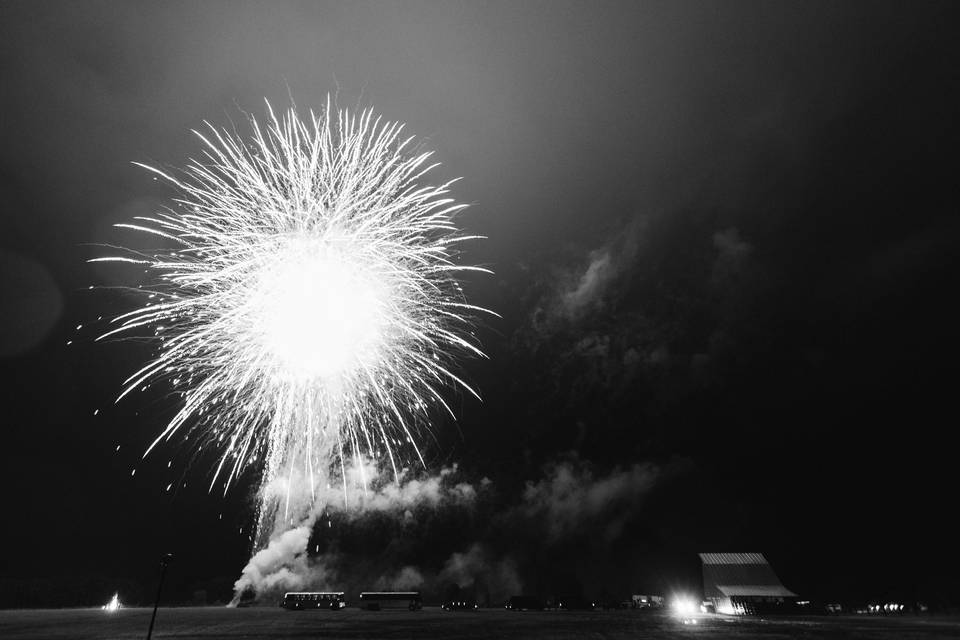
x,y
164,561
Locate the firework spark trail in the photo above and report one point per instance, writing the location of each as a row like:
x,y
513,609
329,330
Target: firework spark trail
x,y
309,312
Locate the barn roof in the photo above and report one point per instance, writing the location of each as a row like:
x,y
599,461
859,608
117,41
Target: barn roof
x,y
740,574
733,558
755,590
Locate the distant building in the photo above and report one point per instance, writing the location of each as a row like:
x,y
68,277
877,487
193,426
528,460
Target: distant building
x,y
743,583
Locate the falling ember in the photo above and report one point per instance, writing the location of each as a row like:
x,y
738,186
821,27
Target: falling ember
x,y
113,605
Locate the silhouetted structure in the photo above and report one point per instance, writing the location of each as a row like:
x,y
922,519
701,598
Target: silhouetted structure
x,y
743,583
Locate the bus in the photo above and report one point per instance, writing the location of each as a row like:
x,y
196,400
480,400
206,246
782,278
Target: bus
x,y
303,600
377,600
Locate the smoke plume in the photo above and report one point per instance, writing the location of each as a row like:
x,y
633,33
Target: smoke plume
x,y
368,492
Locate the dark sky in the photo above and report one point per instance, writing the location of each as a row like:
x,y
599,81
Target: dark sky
x,y
724,238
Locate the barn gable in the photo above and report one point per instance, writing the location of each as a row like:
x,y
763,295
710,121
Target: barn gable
x,y
727,575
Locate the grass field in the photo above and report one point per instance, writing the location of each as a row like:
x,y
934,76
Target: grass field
x,y
218,622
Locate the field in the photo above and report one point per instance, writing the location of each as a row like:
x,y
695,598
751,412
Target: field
x,y
218,622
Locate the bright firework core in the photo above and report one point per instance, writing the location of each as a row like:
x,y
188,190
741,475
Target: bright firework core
x,y
309,312
321,310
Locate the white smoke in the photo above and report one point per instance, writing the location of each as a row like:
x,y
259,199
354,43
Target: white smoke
x,y
370,488
570,498
591,284
478,569
282,564
285,564
407,579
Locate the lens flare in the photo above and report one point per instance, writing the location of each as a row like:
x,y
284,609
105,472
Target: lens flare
x,y
307,308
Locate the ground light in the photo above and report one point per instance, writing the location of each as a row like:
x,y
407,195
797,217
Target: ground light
x,y
113,605
685,607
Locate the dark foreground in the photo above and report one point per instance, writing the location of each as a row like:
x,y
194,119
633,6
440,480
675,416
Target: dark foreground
x,y
218,622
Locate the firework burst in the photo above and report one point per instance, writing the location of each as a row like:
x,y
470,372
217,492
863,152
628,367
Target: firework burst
x,y
308,311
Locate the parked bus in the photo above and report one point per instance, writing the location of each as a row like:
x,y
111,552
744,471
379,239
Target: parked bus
x,y
377,600
302,600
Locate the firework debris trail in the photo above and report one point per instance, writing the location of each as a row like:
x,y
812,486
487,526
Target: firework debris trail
x,y
308,310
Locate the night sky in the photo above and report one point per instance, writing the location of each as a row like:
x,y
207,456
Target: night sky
x,y
724,242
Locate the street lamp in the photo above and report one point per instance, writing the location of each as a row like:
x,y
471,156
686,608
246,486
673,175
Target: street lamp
x,y
164,561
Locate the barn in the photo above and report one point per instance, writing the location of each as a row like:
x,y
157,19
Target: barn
x,y
743,583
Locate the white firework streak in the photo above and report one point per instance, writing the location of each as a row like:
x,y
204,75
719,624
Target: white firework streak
x,y
310,310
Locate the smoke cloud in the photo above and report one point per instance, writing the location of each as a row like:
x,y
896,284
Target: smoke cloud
x,y
367,491
570,499
554,534
490,577
408,578
454,538
589,286
282,564
370,489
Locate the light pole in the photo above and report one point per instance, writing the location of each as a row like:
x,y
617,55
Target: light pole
x,y
164,561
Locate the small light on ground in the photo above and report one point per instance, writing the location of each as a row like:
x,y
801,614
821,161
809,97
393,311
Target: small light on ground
x,y
113,605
